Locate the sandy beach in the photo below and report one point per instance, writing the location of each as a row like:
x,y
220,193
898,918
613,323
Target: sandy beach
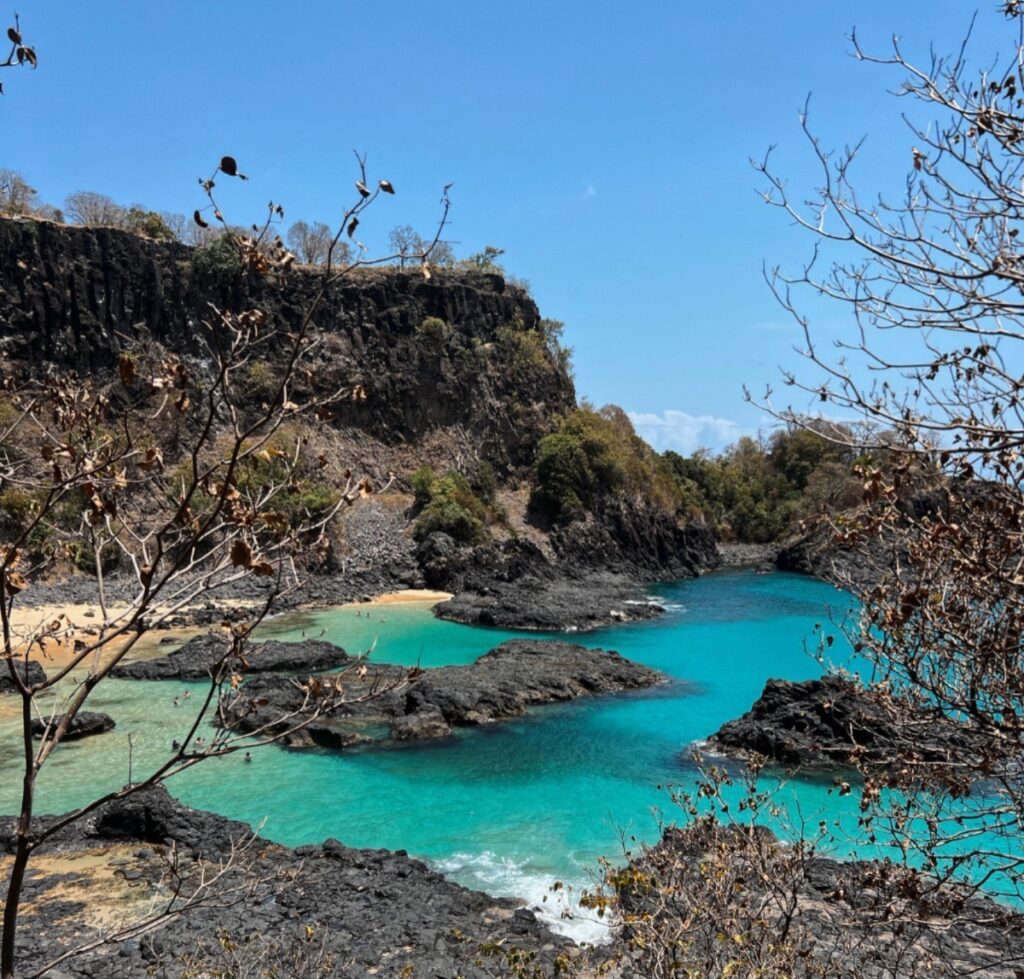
x,y
81,622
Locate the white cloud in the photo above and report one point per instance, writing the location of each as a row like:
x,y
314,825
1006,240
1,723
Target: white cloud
x,y
589,192
683,432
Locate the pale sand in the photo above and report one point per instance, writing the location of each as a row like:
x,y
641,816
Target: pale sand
x,y
407,597
80,621
108,901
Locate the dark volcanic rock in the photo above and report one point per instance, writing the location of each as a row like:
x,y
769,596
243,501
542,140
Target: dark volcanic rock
x,y
503,683
819,554
832,721
195,658
597,579
84,724
575,603
853,919
376,912
628,537
35,674
69,295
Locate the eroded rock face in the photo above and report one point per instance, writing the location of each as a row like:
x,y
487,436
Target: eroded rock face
x,y
67,295
631,538
194,660
502,684
832,721
84,724
376,912
34,674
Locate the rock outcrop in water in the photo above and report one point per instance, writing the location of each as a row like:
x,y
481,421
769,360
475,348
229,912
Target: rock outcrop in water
x,y
33,674
375,912
195,659
84,724
501,684
832,721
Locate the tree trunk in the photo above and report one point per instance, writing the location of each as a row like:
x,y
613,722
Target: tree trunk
x,y
17,878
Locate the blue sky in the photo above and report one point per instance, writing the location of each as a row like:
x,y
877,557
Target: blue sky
x,y
604,145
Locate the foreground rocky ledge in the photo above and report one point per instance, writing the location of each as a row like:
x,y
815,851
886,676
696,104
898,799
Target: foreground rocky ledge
x,y
195,659
855,919
375,912
503,683
833,721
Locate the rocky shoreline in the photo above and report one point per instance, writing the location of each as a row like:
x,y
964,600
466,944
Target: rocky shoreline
x,y
592,580
373,911
195,659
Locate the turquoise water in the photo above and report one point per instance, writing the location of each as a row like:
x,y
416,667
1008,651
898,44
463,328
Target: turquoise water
x,y
510,807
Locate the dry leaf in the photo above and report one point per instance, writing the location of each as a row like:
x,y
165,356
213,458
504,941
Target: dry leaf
x,y
15,582
126,369
241,554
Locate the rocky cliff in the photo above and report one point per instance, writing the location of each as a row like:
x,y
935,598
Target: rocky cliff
x,y
72,296
457,368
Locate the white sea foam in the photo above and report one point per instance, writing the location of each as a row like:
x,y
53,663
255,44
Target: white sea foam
x,y
656,601
702,748
505,877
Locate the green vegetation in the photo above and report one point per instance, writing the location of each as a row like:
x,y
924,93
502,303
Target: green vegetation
x,y
757,491
485,261
302,491
261,380
306,496
594,454
460,506
534,350
434,329
148,223
217,259
51,535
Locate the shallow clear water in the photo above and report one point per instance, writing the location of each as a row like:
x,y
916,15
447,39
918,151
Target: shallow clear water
x,y
510,807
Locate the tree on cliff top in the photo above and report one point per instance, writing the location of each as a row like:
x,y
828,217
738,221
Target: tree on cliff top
x,y
167,472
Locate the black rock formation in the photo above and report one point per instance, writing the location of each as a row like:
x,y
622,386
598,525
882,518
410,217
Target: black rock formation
x,y
503,683
832,721
195,658
83,725
34,674
376,912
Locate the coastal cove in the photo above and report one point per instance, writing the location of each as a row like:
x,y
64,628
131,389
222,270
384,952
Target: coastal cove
x,y
506,808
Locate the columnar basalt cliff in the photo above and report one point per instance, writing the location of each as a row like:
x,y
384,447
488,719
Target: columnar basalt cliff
x,y
73,296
